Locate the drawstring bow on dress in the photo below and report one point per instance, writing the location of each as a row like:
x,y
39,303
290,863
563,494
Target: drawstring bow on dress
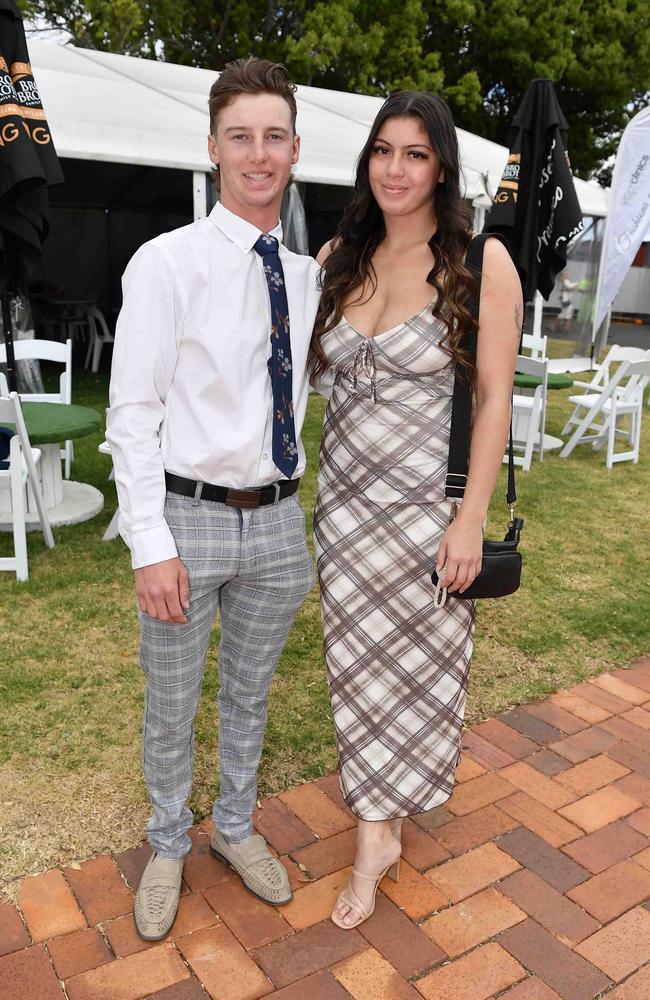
x,y
364,364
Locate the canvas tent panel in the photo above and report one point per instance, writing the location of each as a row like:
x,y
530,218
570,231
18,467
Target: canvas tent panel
x,y
104,106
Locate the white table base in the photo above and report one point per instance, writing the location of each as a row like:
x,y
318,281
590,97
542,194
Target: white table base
x,y
552,443
79,502
66,502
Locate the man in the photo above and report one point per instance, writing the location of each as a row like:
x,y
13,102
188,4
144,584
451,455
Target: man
x,y
208,397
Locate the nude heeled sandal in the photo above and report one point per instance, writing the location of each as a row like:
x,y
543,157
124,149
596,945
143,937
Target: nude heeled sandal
x,y
350,898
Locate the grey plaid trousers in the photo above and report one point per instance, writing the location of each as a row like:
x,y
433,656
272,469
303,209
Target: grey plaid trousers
x,y
253,566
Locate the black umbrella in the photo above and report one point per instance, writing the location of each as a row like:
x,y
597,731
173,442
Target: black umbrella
x,y
536,207
28,164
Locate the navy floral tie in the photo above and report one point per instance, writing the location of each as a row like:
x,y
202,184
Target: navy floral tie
x,y
285,449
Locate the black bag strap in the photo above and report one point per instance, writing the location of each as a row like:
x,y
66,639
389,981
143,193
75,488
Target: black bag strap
x,y
461,410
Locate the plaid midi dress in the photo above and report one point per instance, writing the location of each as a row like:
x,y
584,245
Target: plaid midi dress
x,y
397,666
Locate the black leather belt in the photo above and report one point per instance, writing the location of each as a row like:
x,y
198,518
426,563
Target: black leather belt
x,y
261,497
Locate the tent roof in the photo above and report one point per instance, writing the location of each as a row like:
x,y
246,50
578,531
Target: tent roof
x,y
103,106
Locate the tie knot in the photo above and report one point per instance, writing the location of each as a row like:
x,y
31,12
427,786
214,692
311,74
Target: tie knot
x,y
266,244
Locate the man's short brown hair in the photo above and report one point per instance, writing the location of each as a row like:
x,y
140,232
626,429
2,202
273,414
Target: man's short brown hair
x,y
251,76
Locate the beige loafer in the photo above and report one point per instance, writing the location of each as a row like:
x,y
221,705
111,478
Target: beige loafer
x,y
261,873
156,900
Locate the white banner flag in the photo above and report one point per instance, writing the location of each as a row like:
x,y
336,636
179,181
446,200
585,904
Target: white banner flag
x,y
628,218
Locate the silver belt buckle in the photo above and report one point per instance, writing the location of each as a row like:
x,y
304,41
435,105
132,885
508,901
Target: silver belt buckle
x,y
276,487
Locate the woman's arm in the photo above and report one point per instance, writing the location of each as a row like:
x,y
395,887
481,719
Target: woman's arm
x,y
325,382
500,320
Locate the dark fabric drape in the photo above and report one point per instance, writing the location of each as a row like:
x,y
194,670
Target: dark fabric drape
x,y
536,207
28,165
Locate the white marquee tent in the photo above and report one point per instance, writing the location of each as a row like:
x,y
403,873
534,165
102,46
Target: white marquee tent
x,y
119,109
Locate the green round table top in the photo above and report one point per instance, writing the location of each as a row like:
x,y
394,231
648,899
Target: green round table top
x,y
48,423
555,381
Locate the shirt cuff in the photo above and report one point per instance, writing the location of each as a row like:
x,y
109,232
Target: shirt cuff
x,y
150,545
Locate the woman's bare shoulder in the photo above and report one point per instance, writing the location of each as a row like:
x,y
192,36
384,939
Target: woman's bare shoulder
x,y
499,266
496,253
325,251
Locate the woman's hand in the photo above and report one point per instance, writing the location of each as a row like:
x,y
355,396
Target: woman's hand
x,y
461,551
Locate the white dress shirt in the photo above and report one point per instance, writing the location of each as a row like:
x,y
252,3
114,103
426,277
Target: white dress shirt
x,y
190,388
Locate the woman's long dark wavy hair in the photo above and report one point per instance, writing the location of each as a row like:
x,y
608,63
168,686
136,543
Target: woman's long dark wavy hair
x,y
362,229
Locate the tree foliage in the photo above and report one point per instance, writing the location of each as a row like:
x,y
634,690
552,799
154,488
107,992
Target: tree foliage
x,y
479,54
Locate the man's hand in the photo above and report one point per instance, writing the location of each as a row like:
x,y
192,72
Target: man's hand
x,y
163,590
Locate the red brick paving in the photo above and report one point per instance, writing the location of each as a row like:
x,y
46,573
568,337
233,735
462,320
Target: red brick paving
x,y
461,927
223,965
187,989
13,935
368,976
29,975
587,743
554,716
419,849
126,979
435,818
507,739
613,892
569,974
476,976
531,883
484,753
476,828
531,988
531,725
547,762
536,855
48,906
400,940
591,774
549,907
541,820
100,889
79,952
622,946
607,846
640,821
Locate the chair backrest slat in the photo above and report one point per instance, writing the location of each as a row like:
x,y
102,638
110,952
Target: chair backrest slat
x,y
536,346
37,350
11,412
531,366
636,375
42,350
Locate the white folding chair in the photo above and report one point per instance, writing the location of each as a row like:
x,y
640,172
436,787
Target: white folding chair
x,y
18,478
529,413
583,402
113,528
535,347
45,350
99,335
621,396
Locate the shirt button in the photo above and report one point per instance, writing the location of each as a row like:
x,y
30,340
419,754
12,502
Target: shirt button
x,y
265,455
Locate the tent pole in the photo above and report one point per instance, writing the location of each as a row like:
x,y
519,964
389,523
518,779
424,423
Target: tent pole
x,y
596,301
538,305
9,341
200,180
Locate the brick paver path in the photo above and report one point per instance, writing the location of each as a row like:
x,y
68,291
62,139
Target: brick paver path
x,y
531,883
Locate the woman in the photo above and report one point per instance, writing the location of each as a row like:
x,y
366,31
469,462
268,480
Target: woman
x,y
393,322
565,314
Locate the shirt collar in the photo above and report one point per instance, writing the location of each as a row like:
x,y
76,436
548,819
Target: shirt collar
x,y
242,233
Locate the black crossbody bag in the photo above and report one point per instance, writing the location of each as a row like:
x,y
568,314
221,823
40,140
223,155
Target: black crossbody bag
x,y
501,563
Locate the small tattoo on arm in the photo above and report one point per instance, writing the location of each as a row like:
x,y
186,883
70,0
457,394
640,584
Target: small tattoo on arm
x,y
518,318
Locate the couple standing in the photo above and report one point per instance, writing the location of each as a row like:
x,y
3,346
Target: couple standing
x,y
220,332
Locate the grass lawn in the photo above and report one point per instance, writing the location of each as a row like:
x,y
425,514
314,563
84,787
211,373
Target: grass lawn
x,y
71,691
